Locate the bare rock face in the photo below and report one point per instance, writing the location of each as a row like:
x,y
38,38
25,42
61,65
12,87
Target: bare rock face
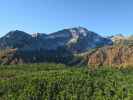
x,y
111,55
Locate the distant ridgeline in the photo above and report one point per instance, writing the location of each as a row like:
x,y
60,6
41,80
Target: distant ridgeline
x,y
122,40
59,47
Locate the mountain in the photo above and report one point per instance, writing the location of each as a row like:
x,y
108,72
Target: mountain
x,y
60,46
77,39
111,55
15,39
119,39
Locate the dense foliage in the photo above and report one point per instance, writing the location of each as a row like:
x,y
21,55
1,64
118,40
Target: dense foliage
x,y
60,82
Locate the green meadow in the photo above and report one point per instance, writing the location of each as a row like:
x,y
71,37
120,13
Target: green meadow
x,y
61,82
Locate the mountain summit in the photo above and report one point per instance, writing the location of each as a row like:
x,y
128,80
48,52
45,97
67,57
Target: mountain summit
x,y
77,39
15,39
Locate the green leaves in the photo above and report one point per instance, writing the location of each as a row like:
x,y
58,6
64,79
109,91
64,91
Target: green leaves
x,y
58,82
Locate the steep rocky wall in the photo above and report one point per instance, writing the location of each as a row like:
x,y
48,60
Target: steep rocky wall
x,y
111,55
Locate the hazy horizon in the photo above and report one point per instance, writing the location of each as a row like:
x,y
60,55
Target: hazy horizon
x,y
105,17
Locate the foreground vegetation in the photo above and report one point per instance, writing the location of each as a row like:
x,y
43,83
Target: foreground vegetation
x,y
60,82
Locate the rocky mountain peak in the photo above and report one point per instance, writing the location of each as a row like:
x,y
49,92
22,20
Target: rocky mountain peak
x,y
16,33
78,31
15,39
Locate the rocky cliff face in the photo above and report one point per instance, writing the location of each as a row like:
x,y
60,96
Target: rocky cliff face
x,y
111,55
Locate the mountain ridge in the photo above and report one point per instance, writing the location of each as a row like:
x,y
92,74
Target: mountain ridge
x,y
57,47
72,38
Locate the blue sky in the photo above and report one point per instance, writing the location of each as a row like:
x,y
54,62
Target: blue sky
x,y
105,17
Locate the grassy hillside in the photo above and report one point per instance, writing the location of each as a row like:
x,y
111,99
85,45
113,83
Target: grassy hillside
x,y
60,82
